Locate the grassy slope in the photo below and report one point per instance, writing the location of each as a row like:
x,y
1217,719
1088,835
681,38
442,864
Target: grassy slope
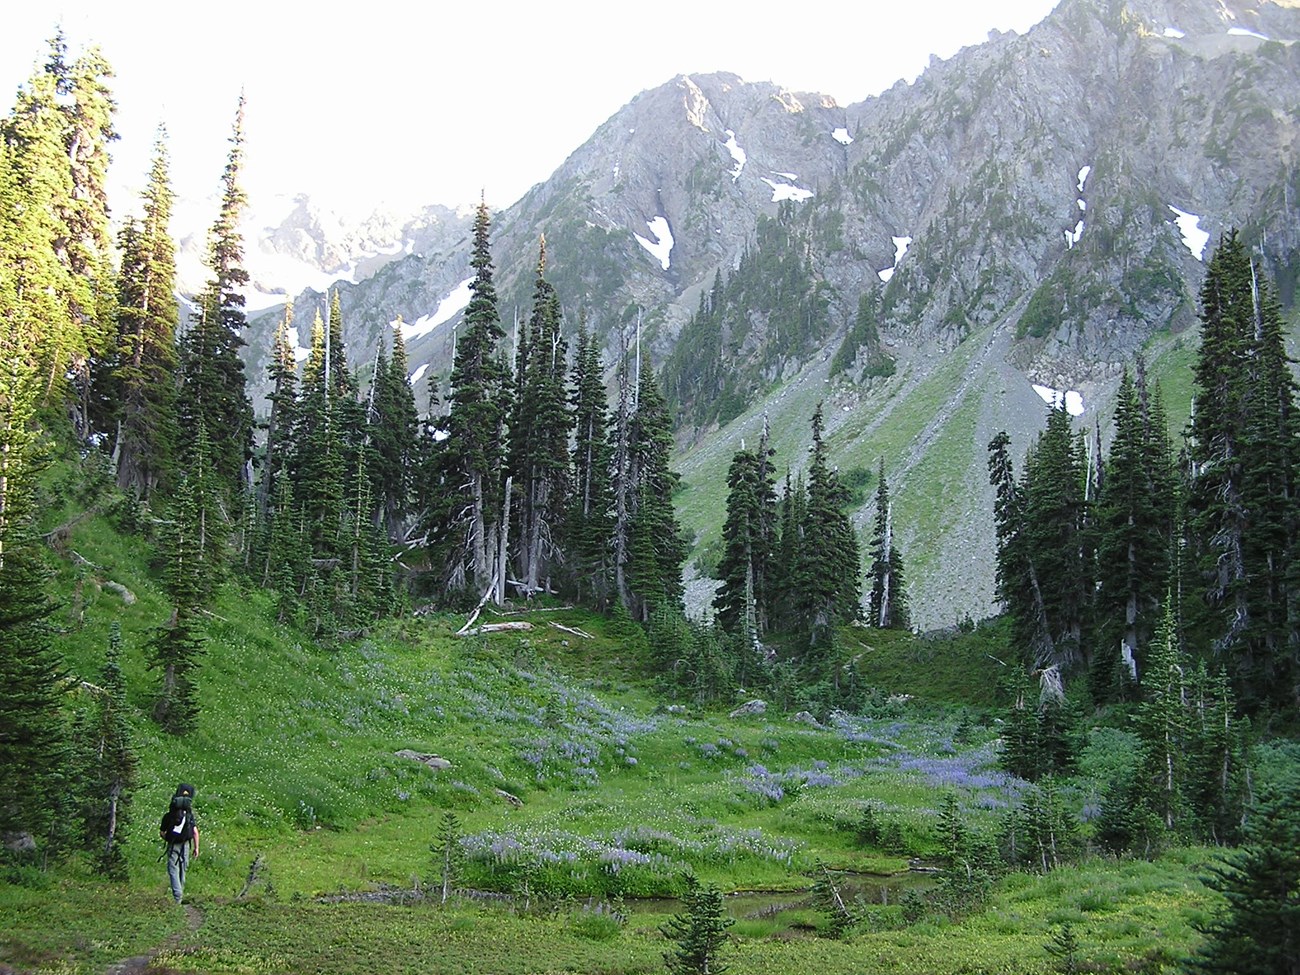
x,y
294,761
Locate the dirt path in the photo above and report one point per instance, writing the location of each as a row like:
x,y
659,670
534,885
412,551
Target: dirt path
x,y
139,964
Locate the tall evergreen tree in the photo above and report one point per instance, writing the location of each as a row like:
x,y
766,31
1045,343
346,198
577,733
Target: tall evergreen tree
x,y
656,549
1241,491
393,427
887,602
142,381
743,602
827,571
110,765
1134,524
213,393
1054,527
539,436
475,421
319,463
33,756
590,527
1258,928
193,550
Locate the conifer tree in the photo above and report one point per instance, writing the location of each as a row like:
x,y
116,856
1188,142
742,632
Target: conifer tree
x,y
213,394
142,381
698,933
193,544
590,526
1258,928
655,547
1054,528
33,756
539,435
790,520
36,189
282,371
112,765
318,466
475,421
744,600
827,570
1017,580
393,428
1134,524
887,602
1241,491
1162,726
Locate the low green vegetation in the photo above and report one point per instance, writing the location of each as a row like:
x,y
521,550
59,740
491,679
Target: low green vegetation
x,y
578,793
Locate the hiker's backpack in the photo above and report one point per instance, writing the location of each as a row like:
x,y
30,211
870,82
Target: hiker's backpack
x,y
180,817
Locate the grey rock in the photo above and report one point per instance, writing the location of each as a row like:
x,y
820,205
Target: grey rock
x,y
750,709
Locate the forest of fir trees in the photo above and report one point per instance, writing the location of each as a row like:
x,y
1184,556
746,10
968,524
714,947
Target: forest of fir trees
x,y
1171,581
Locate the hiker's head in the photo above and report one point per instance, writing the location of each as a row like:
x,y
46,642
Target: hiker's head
x,y
186,790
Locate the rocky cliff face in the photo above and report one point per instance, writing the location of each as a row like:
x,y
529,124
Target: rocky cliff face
x,y
1054,194
1066,177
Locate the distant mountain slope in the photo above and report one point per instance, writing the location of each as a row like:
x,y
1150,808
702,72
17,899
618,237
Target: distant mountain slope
x,y
1035,209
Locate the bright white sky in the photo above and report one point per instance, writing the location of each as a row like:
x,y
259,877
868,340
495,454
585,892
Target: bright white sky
x,y
432,103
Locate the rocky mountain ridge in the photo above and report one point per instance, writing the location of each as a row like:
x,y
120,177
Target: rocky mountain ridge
x,y
1050,195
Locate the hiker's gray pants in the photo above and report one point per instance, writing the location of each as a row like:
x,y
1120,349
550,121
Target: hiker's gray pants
x,y
178,859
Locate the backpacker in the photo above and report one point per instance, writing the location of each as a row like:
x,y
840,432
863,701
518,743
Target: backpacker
x,y
178,824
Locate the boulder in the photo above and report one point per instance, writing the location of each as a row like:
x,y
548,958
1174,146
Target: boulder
x,y
749,708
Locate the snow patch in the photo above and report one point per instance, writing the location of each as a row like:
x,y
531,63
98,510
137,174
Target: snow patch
x,y
419,374
901,244
300,352
661,247
449,306
1071,398
841,135
1243,32
1175,33
1194,237
1084,173
787,191
737,153
1072,237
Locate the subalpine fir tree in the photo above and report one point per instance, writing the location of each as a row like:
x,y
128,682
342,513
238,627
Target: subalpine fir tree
x,y
539,436
177,646
655,546
698,933
1163,732
212,391
590,523
1242,467
33,754
1053,530
1258,928
36,188
141,380
789,520
744,600
827,571
110,764
475,422
1017,579
1134,525
318,465
282,371
393,428
1269,666
887,602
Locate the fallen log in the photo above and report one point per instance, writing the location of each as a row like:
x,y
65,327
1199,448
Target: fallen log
x,y
574,630
496,628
